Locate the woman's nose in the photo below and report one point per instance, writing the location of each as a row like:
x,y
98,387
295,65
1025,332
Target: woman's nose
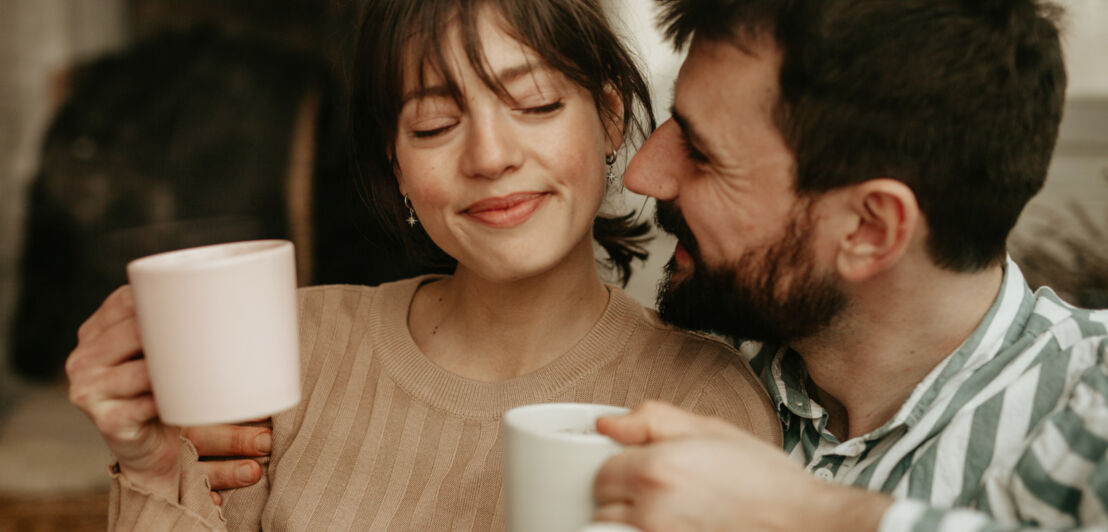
x,y
659,164
493,149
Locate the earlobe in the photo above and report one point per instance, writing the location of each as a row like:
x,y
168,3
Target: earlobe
x,y
612,120
885,217
399,179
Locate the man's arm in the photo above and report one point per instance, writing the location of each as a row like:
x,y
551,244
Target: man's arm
x,y
688,472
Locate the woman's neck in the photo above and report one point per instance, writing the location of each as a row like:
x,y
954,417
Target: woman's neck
x,y
491,331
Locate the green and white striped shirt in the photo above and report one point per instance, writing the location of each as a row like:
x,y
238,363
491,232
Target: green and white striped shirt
x,y
1009,432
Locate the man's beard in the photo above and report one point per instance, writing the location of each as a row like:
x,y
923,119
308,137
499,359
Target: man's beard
x,y
770,294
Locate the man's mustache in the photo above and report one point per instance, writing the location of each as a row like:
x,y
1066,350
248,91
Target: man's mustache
x,y
669,218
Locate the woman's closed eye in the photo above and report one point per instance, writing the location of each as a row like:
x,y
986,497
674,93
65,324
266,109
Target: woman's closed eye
x,y
545,108
432,131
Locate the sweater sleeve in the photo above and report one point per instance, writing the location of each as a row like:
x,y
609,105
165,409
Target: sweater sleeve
x,y
131,507
734,394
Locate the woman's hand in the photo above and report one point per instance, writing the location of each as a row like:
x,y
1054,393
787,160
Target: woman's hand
x,y
225,446
108,380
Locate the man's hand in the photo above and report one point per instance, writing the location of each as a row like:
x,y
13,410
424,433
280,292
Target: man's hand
x,y
238,442
689,472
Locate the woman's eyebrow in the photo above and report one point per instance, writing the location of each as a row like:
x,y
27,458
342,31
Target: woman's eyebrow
x,y
426,92
510,74
504,77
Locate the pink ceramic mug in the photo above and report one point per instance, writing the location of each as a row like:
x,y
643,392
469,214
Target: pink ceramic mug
x,y
219,330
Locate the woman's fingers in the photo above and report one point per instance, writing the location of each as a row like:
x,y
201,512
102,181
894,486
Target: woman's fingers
x,y
230,440
110,347
100,391
112,386
228,474
125,422
116,307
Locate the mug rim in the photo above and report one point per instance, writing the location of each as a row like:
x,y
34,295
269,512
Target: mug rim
x,y
240,251
512,419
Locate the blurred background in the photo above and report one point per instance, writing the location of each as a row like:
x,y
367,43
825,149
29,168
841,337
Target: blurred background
x,y
129,127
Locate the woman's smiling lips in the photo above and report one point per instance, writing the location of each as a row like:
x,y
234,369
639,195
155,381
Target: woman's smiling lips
x,y
506,211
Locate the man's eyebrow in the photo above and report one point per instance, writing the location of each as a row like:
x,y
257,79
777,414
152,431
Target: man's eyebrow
x,y
504,77
688,131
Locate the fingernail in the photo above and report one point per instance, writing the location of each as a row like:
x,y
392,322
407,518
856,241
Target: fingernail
x,y
245,473
263,442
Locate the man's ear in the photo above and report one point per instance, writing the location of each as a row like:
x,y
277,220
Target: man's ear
x,y
883,219
611,117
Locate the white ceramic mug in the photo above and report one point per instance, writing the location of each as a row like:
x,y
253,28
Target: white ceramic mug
x,y
219,330
551,455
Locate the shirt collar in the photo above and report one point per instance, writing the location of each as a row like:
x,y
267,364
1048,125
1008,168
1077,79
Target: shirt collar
x,y
782,369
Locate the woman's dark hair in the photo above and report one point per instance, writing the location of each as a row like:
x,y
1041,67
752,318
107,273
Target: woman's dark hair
x,y
571,36
958,99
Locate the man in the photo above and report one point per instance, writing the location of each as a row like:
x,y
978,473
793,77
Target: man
x,y
842,176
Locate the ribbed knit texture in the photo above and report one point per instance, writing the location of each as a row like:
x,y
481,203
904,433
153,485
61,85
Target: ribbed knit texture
x,y
384,439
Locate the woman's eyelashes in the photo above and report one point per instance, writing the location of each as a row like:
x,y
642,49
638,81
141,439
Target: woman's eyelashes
x,y
423,132
544,109
432,132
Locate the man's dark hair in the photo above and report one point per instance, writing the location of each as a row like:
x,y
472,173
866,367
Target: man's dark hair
x,y
571,36
958,99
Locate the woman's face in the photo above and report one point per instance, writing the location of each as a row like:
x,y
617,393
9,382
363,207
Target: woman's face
x,y
509,189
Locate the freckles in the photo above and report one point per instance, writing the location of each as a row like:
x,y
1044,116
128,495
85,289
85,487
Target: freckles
x,y
430,192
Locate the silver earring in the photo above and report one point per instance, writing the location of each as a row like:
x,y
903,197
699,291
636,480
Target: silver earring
x,y
610,174
411,212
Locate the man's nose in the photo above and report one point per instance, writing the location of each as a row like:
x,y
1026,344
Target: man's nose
x,y
659,164
493,149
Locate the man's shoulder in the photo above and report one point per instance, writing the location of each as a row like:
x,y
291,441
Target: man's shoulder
x,y
1067,326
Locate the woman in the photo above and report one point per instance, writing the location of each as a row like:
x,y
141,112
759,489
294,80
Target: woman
x,y
487,130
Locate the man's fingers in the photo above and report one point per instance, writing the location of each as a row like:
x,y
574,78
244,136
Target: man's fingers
x,y
655,421
616,512
228,474
216,498
619,479
230,440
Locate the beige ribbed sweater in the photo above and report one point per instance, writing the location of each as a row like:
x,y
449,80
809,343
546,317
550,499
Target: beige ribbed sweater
x,y
384,439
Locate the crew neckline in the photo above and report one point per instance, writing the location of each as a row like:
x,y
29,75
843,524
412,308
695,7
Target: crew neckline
x,y
432,384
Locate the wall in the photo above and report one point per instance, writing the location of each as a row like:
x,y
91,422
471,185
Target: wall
x,y
38,38
1085,38
637,20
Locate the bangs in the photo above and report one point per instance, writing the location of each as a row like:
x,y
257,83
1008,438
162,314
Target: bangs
x,y
434,26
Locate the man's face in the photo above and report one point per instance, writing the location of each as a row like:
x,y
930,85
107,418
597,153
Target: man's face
x,y
744,264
